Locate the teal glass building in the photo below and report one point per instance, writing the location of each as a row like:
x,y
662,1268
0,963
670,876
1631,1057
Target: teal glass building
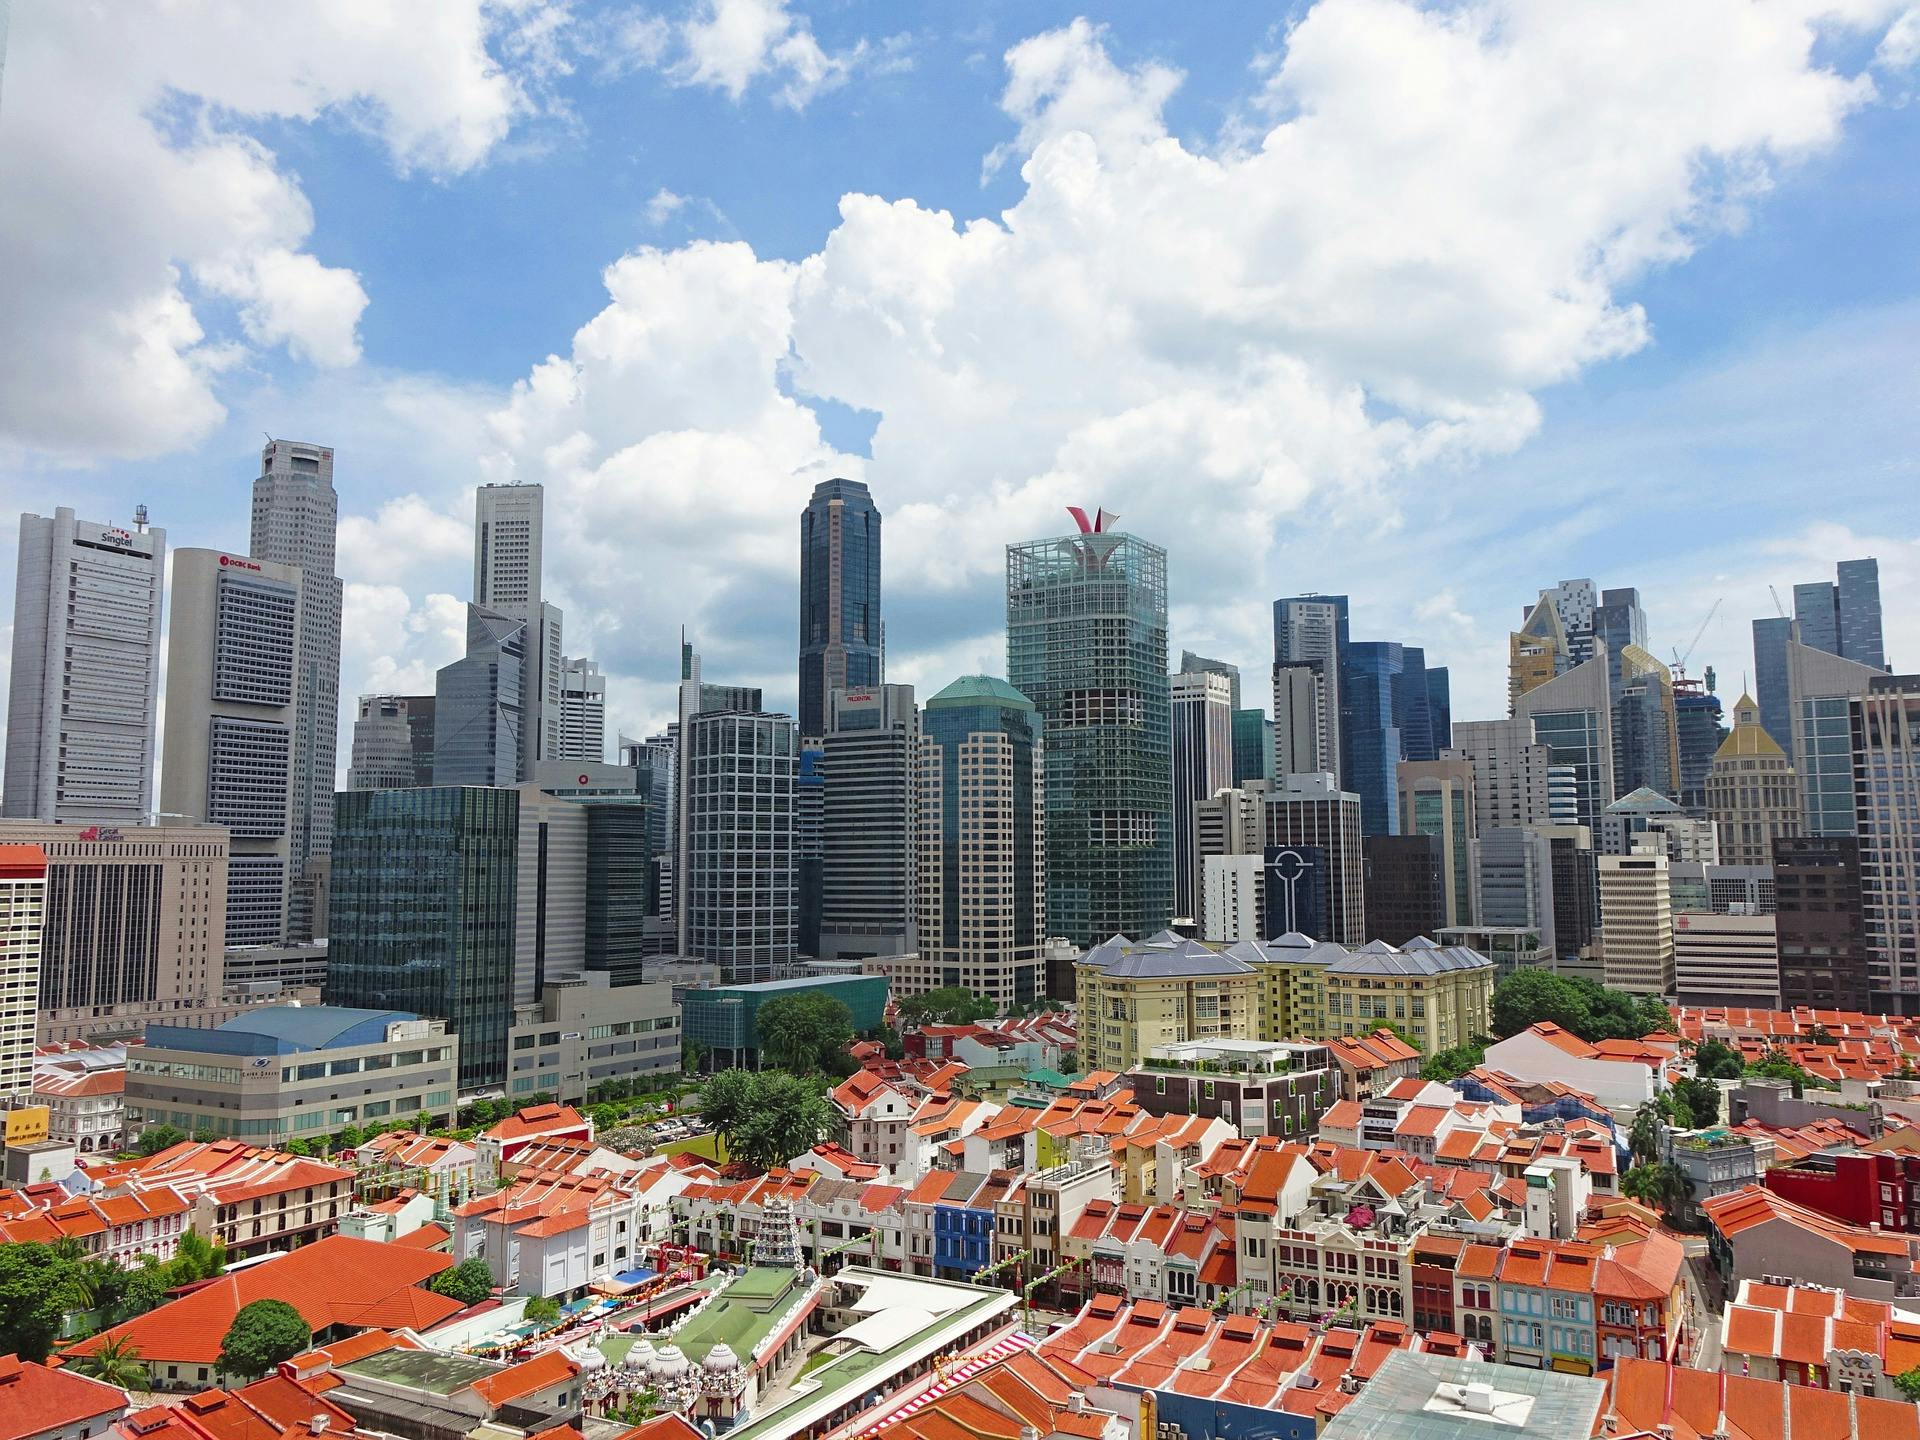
x,y
1087,643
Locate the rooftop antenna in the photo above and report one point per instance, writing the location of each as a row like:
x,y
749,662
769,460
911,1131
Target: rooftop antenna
x,y
140,519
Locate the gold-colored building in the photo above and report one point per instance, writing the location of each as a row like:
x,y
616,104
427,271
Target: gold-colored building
x,y
1134,995
1438,995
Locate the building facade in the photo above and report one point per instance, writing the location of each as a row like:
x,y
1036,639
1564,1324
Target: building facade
x,y
1405,887
1313,818
869,773
1513,882
981,890
842,639
1309,644
1842,616
582,1032
479,708
509,542
1572,716
1753,796
1202,763
392,743
1439,995
1135,996
1437,799
1821,689
23,908
1372,677
233,722
1820,922
85,684
1252,746
740,886
1726,960
295,514
583,712
722,1021
1087,644
423,912
1637,923
1512,772
1886,767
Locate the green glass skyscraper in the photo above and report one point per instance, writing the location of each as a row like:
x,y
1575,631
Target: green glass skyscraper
x,y
1087,643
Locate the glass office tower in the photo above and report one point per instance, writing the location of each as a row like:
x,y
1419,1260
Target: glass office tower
x,y
1087,643
840,633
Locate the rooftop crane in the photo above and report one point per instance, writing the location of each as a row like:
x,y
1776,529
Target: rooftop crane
x,y
1680,657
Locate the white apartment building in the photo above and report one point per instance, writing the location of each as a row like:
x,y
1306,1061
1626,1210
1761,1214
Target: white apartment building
x,y
1231,898
85,683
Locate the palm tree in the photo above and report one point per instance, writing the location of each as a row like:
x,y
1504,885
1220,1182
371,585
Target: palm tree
x,y
116,1362
68,1247
1644,1139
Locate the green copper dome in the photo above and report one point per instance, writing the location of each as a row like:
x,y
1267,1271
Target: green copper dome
x,y
980,690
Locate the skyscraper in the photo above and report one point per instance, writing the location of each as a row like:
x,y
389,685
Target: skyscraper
x,y
23,902
841,635
1886,768
1636,909
1618,621
1770,639
1192,664
1513,773
1405,891
1820,922
1252,746
1574,602
1316,867
1843,618
1753,796
739,891
509,533
981,891
392,743
1372,682
1646,738
479,703
1202,764
85,684
295,514
1536,652
1437,799
1573,717
233,715
1087,643
1820,691
1696,717
870,763
583,712
1513,881
1309,643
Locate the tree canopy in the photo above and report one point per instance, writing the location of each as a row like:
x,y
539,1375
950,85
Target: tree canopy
x,y
1663,1185
1696,1103
1593,1012
804,1031
261,1336
156,1138
766,1118
1451,1064
949,1005
469,1282
1716,1060
36,1286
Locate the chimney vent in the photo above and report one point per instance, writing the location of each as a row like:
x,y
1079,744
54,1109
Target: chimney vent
x,y
1477,1398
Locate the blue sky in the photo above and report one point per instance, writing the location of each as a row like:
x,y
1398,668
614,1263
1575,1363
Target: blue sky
x,y
1432,305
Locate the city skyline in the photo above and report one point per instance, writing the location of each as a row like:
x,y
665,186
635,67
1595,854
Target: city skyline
x,y
1587,457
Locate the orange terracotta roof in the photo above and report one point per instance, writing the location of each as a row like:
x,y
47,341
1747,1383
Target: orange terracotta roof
x,y
35,1399
552,1367
1743,1209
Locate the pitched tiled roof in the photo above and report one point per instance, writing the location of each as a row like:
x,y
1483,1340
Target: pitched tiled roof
x,y
1650,1395
536,1120
1743,1209
551,1367
34,1399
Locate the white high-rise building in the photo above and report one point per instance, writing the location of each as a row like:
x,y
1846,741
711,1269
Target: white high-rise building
x,y
583,712
1231,902
1202,765
1636,910
233,708
23,898
1512,773
86,670
508,542
295,514
1309,631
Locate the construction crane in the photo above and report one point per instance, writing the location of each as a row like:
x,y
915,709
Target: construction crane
x,y
1680,657
1779,609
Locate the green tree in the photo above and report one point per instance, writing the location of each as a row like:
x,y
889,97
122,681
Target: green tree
x,y
95,1285
147,1286
725,1099
543,1311
35,1291
1716,1060
205,1135
261,1336
1644,1139
298,1147
197,1258
604,1118
1530,996
156,1138
1775,1064
637,1408
1452,1064
116,1362
803,1031
1663,1185
1701,1098
949,1005
1909,1383
469,1282
788,1117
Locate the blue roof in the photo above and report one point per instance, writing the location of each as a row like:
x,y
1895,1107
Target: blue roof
x,y
283,1030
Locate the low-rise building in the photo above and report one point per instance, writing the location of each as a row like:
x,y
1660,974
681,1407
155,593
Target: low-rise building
x,y
84,1090
294,1073
1716,1162
583,1031
1754,1234
557,1235
37,1403
1260,1087
1651,1398
1805,1335
1862,1189
1725,959
720,1022
1370,1064
1620,1081
252,1199
1137,995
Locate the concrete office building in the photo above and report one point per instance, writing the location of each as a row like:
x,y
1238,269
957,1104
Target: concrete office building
x,y
1232,898
1820,693
1636,911
1753,795
842,637
422,915
1643,817
1405,887
1726,960
1512,772
739,889
583,712
23,909
1842,617
136,921
583,1031
1574,603
233,717
294,1073
295,515
870,776
1576,897
980,893
509,541
1723,889
723,1021
1087,644
1308,814
550,891
1309,643
392,743
809,858
1572,716
1820,922
1513,882
1886,767
480,705
1192,664
1437,799
85,683
1202,764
